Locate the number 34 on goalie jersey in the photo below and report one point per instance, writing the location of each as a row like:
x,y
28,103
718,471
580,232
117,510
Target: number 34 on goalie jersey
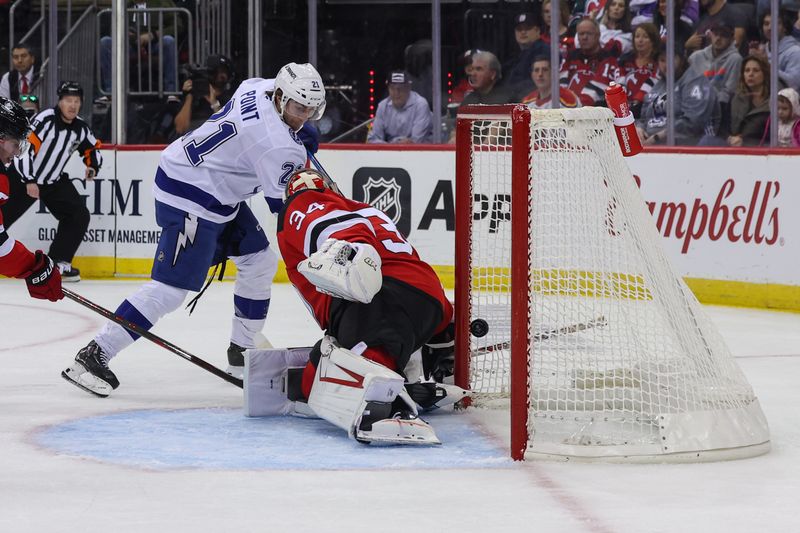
x,y
312,216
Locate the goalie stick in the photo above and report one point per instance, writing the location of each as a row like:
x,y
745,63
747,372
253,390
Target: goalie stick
x,y
598,322
135,328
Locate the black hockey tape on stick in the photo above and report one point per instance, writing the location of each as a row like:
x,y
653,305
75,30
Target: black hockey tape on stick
x,y
130,326
598,322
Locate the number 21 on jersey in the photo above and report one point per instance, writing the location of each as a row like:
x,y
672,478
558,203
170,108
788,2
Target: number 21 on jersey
x,y
226,130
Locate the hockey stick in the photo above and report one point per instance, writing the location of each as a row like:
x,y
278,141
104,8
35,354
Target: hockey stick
x,y
598,322
135,328
317,164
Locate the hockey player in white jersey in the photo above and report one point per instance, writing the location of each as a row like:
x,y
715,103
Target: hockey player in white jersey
x,y
248,147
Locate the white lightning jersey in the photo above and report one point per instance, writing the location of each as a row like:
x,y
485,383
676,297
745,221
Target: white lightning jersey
x,y
243,149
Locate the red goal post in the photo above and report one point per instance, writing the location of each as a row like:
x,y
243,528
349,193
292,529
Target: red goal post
x,y
594,343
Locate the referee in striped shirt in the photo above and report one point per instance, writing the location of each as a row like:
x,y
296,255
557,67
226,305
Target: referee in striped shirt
x,y
57,133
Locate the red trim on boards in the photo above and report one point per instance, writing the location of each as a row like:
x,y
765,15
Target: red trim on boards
x,y
690,150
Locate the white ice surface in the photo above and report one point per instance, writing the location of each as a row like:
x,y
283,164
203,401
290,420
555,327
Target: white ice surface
x,y
43,489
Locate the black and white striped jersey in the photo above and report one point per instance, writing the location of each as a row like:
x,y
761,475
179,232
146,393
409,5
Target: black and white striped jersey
x,y
52,143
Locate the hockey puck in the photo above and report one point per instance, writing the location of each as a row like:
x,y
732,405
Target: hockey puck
x,y
479,327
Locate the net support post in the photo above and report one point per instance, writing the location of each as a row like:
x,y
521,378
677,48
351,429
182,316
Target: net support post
x,y
520,277
463,197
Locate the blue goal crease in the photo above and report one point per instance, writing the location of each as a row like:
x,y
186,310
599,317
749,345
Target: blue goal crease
x,y
225,439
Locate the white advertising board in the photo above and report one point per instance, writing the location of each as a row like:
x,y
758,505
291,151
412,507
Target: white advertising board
x,y
722,216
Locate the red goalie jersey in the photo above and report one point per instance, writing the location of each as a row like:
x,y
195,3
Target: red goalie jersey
x,y
312,216
15,259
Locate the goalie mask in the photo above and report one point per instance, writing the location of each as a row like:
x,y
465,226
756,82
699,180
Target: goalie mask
x,y
308,178
301,83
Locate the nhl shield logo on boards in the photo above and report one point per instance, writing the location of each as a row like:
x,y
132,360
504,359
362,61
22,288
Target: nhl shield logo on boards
x,y
387,189
384,195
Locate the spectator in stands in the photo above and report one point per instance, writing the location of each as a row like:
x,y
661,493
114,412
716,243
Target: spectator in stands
x,y
788,47
640,67
462,87
589,69
788,118
22,78
566,43
204,93
615,27
147,46
750,104
527,32
683,28
403,117
721,62
30,103
419,64
697,114
540,97
643,11
485,81
716,10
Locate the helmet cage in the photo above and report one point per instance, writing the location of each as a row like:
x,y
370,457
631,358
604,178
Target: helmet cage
x,y
308,178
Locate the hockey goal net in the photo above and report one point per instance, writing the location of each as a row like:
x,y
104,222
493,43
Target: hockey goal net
x,y
594,342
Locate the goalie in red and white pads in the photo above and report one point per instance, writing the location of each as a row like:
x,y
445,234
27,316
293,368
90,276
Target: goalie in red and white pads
x,y
378,303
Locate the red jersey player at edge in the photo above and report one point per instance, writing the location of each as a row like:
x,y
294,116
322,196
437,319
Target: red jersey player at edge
x,y
16,261
384,311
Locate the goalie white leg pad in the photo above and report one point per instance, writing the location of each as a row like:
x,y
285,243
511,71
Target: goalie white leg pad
x,y
266,381
260,341
356,394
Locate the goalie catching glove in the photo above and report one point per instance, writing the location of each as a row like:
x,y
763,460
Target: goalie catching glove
x,y
350,271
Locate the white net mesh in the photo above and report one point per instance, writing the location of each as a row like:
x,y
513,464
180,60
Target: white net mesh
x,y
623,361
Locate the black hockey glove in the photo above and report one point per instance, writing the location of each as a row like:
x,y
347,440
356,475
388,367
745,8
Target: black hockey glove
x,y
438,355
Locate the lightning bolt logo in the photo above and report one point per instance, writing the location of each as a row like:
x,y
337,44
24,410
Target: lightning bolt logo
x,y
189,231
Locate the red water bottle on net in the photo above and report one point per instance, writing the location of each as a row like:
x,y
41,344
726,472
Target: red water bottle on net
x,y
617,102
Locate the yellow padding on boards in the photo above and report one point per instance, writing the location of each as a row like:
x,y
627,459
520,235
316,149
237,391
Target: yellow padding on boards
x,y
561,282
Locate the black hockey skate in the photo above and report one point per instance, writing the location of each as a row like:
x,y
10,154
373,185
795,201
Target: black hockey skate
x,y
235,361
429,395
90,371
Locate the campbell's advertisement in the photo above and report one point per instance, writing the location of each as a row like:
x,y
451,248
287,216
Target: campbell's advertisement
x,y
725,216
721,216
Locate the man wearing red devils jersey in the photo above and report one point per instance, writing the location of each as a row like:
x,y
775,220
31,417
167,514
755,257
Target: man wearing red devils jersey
x,y
588,70
409,308
16,261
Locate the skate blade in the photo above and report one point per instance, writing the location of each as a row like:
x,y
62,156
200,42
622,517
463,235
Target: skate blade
x,y
78,376
393,431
